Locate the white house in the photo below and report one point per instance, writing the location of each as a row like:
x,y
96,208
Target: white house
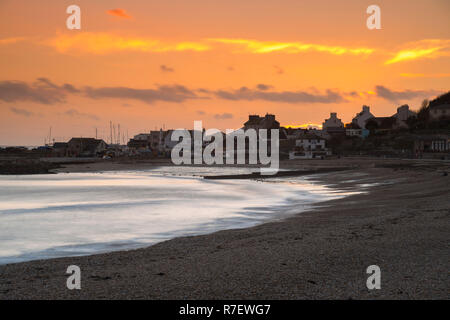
x,y
332,122
403,113
362,117
309,146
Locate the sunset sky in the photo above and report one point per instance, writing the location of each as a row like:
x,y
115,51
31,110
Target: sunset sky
x,y
145,64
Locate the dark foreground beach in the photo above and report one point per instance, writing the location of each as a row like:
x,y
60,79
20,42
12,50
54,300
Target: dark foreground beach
x,y
401,223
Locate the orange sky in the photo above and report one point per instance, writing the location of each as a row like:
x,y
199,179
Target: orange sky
x,y
147,63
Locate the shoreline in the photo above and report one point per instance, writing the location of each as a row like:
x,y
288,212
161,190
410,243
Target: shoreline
x,y
271,200
319,254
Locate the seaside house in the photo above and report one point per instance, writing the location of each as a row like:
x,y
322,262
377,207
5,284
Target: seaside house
x,y
257,122
362,117
402,115
86,147
309,146
332,127
332,122
158,142
268,122
397,121
353,130
139,144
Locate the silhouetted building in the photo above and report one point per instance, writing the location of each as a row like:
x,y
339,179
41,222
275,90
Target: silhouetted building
x,y
332,122
362,117
60,149
86,147
257,122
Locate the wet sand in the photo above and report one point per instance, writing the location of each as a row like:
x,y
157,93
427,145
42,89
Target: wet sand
x,y
399,222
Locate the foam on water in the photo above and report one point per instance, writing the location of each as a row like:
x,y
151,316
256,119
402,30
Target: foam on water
x,y
48,216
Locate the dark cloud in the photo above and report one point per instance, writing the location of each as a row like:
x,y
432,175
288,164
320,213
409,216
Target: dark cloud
x,y
175,93
353,94
77,114
200,112
203,90
46,82
21,112
245,93
45,91
70,88
223,116
396,96
263,87
41,91
165,68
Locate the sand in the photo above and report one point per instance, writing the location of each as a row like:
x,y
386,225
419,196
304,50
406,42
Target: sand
x,y
399,221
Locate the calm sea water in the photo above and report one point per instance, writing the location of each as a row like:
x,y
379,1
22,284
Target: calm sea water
x,y
48,216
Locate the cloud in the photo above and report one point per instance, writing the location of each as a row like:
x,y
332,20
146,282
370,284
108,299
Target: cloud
x,y
223,116
104,43
218,116
429,48
119,13
396,96
77,114
41,91
203,90
263,87
260,47
247,94
173,93
357,95
46,92
425,75
21,112
6,41
165,68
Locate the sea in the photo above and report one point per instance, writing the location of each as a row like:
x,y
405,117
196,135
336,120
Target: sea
x,y
76,214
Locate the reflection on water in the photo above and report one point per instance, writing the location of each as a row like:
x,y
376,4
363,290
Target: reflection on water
x,y
46,216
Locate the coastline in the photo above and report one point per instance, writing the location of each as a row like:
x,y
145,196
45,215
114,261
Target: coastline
x,y
400,223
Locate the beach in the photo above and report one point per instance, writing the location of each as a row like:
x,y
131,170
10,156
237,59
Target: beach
x,y
399,221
